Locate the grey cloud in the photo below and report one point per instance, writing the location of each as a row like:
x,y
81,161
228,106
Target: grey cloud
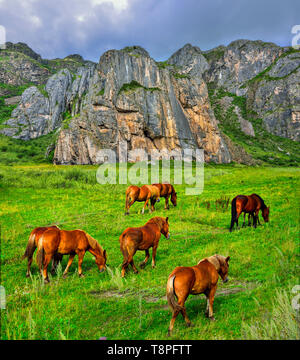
x,y
59,28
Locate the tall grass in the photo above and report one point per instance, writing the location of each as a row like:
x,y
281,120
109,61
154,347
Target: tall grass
x,y
283,323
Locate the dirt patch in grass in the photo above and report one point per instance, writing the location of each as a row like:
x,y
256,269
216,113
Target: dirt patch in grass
x,y
154,299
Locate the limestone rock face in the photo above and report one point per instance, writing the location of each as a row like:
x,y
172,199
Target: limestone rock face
x,y
267,75
39,113
131,99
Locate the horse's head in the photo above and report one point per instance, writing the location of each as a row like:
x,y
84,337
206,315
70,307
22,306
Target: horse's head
x,y
101,260
174,198
165,228
265,213
224,267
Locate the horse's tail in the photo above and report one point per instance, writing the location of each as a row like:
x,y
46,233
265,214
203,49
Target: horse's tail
x,y
30,247
171,295
40,253
127,198
233,213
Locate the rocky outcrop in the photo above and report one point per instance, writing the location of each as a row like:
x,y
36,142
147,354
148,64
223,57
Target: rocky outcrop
x,y
129,98
267,75
41,112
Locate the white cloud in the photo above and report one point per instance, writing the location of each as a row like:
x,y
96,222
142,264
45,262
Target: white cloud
x,y
118,4
35,20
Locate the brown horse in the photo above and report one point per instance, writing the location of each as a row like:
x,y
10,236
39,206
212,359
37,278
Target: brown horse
x,y
199,279
251,205
144,193
142,238
32,245
167,190
65,242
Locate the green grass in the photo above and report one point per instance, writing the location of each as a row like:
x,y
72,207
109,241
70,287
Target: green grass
x,y
263,261
134,85
14,151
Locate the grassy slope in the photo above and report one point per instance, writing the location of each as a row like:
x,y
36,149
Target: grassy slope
x,y
263,260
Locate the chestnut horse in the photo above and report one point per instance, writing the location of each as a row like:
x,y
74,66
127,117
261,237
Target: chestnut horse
x,y
142,238
56,241
251,205
144,193
167,190
199,279
32,245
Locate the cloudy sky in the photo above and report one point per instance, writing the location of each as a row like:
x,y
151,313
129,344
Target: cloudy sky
x,y
57,28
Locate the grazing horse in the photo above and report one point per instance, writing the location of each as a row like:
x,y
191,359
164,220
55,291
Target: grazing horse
x,y
251,205
32,245
144,193
167,190
142,238
199,279
56,241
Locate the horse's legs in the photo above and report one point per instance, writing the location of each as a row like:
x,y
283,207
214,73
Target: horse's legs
x,y
143,263
183,312
153,201
244,220
211,297
135,270
80,254
153,256
71,258
167,203
46,262
55,261
249,219
124,267
175,314
145,205
129,205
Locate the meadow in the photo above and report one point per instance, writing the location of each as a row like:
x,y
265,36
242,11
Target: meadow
x,y
264,265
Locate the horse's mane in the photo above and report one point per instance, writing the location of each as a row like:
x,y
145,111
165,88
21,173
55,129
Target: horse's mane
x,y
94,243
156,220
263,205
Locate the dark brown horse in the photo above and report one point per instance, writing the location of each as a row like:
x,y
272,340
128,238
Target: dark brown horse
x,y
32,245
142,238
147,193
248,204
199,279
166,191
56,241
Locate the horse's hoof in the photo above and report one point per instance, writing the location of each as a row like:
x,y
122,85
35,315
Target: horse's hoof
x,y
212,318
65,276
190,324
142,265
169,333
46,281
81,276
136,272
27,275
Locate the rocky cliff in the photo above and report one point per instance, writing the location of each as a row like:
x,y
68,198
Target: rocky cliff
x,y
225,101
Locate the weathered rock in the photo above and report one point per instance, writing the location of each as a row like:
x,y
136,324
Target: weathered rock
x,y
39,113
131,99
128,98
